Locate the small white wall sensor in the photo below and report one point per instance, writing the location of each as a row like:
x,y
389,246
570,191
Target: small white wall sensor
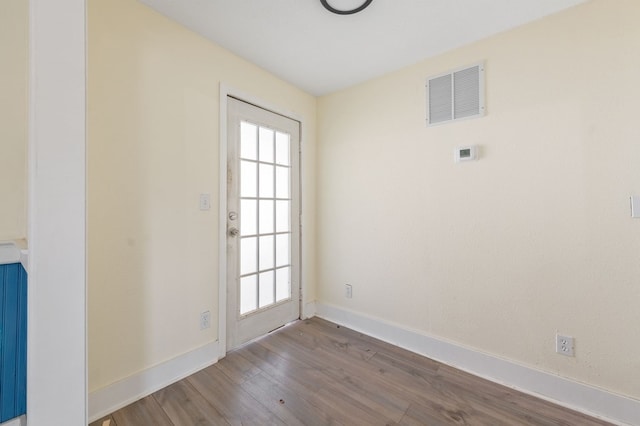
x,y
205,202
635,207
466,153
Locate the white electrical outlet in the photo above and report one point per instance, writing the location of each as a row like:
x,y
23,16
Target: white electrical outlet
x,y
205,320
565,345
348,291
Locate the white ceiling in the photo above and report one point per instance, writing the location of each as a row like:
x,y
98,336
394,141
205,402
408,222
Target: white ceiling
x,y
320,52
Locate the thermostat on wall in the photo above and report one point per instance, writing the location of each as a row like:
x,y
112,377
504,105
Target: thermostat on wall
x,y
466,153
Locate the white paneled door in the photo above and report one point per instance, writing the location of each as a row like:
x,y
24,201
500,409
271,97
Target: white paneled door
x,y
263,221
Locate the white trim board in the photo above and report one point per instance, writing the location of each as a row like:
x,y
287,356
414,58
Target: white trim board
x,y
18,421
57,317
126,391
308,310
222,223
576,396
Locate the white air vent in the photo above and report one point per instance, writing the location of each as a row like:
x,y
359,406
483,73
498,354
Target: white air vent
x,y
456,95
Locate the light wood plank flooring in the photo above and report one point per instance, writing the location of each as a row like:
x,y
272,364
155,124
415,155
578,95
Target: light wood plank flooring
x,y
314,372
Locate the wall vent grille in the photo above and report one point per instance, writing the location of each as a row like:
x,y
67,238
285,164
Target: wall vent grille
x,y
456,95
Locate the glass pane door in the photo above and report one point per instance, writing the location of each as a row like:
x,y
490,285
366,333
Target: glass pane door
x,y
263,221
265,225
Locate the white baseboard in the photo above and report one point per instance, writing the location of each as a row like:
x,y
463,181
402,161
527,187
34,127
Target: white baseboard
x,y
18,421
576,396
308,310
124,392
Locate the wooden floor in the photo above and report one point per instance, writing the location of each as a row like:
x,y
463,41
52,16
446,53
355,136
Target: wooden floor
x,y
314,372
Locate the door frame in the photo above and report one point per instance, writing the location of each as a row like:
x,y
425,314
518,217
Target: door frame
x,y
226,91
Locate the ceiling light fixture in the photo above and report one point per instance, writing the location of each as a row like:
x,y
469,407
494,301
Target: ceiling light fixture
x,y
345,12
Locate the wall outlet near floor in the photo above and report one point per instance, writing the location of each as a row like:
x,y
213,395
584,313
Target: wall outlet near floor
x,y
348,291
205,320
564,345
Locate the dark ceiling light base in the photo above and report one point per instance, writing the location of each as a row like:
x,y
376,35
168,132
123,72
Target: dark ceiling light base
x,y
345,12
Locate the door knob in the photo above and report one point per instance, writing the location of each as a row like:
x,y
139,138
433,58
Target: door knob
x,y
233,232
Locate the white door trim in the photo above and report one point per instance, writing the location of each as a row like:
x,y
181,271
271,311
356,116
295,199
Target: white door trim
x,y
225,91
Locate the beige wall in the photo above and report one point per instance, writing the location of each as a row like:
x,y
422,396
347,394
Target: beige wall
x,y
535,237
153,117
13,118
496,255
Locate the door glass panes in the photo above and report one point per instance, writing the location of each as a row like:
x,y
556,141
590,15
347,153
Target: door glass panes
x,y
282,182
282,250
248,179
282,149
265,217
266,252
249,217
248,293
248,256
266,145
249,136
266,181
267,289
282,215
283,284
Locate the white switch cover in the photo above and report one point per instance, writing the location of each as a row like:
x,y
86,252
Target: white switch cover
x,y
635,206
205,201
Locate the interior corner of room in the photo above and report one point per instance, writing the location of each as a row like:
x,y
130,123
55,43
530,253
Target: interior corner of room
x,y
487,265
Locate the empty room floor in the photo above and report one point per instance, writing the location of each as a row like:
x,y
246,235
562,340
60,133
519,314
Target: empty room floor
x,y
314,372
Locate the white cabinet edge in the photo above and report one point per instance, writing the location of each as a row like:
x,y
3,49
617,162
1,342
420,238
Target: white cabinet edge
x,y
10,252
18,421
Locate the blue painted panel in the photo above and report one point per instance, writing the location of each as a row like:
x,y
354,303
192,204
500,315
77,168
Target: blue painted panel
x,y
21,368
13,307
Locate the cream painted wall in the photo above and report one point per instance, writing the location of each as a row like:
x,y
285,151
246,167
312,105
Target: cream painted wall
x,y
535,237
153,112
14,47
